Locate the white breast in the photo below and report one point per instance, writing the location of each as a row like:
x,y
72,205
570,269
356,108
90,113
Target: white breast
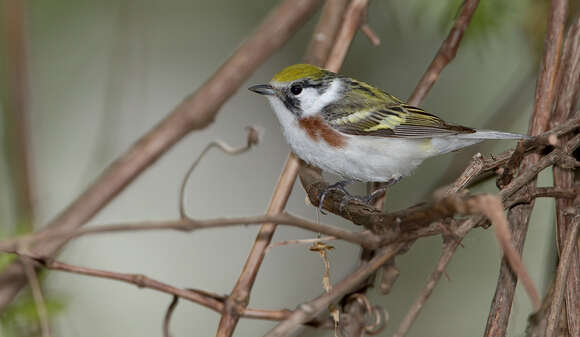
x,y
363,158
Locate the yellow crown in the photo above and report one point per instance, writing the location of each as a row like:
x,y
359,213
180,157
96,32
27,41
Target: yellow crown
x,y
298,71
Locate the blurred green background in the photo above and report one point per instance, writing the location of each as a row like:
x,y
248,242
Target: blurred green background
x,y
101,73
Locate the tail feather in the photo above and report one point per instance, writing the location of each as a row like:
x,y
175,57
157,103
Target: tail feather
x,y
490,134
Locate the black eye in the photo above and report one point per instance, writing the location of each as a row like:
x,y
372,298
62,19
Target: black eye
x,y
296,89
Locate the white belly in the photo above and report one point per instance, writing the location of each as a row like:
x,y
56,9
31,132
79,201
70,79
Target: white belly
x,y
363,158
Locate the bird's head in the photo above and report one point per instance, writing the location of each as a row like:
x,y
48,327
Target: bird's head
x,y
302,90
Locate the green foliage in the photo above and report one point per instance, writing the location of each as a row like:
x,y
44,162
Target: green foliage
x,y
490,17
20,319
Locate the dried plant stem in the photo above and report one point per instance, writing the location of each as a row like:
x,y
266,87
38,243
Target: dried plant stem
x,y
37,294
519,216
168,314
363,238
352,21
492,208
448,250
325,32
15,109
300,242
308,311
564,177
568,251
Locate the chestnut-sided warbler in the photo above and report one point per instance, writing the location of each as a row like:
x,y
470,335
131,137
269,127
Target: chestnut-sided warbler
x,y
356,131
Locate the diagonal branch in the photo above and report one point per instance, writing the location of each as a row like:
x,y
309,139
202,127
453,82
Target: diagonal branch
x,y
37,294
195,112
239,297
446,52
310,310
564,267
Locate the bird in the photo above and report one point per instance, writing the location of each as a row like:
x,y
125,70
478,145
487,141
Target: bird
x,y
356,131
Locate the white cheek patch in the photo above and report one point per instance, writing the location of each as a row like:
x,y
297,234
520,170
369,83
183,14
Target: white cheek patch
x,y
311,102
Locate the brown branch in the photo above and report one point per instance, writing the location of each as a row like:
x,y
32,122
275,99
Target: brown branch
x,y
544,192
139,280
363,238
195,112
564,177
492,208
37,295
15,108
446,52
310,310
207,299
168,313
448,251
240,295
568,251
394,224
531,171
473,170
300,242
480,167
519,216
325,32
350,25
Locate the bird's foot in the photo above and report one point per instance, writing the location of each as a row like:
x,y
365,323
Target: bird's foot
x,y
339,186
365,199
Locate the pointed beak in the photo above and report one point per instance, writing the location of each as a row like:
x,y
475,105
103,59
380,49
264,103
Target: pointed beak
x,y
262,89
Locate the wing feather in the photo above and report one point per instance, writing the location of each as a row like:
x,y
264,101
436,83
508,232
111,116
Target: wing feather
x,y
368,111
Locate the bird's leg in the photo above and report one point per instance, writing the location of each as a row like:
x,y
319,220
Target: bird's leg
x,y
338,186
368,199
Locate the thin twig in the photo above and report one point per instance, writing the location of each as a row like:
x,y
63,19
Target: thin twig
x,y
195,112
446,255
252,139
300,242
492,208
568,251
350,25
168,313
363,238
544,192
473,169
307,311
208,300
325,32
446,52
37,295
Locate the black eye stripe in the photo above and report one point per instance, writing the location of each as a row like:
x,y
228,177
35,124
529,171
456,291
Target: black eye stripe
x,y
292,103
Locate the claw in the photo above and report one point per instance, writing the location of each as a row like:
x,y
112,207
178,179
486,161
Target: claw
x,y
365,199
339,186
